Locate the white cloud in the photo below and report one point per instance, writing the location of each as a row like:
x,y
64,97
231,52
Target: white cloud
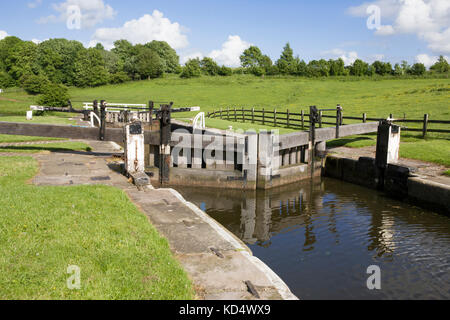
x,y
3,34
231,51
34,4
190,56
427,60
143,30
429,20
37,41
93,12
348,57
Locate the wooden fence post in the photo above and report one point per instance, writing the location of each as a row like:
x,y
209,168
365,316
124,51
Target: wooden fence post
x,y
263,115
425,125
288,124
235,114
364,117
220,113
253,115
151,106
303,120
320,119
243,114
275,117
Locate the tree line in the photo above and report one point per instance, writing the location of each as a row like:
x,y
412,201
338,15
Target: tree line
x,y
49,67
255,62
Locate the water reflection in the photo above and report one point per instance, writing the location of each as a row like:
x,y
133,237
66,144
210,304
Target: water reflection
x,y
321,237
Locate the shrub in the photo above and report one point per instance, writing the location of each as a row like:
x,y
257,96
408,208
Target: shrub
x,y
35,84
191,69
418,69
55,95
6,81
225,71
119,77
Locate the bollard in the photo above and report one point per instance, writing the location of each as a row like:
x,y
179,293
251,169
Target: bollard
x,y
135,153
388,144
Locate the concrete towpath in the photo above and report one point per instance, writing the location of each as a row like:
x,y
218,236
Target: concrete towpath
x,y
219,264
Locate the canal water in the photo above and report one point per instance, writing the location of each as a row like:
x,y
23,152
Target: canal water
x,y
320,237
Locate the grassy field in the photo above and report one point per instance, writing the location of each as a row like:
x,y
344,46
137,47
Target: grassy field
x,y
378,97
43,230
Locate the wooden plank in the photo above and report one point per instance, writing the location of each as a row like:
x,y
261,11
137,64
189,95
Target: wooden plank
x,y
69,132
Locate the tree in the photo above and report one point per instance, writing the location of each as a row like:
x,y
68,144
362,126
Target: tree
x,y
251,57
90,69
441,66
318,68
336,67
149,64
55,95
168,55
191,69
286,63
382,68
418,69
359,68
209,67
57,58
35,84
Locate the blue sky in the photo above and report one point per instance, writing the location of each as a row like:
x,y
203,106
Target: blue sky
x,y
413,30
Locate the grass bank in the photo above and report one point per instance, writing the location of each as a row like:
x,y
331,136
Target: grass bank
x,y
43,230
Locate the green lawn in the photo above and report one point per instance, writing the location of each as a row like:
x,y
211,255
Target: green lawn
x,y
43,230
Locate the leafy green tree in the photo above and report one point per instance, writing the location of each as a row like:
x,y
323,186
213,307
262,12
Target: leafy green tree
x,y
168,55
405,66
336,67
90,70
418,69
441,66
35,84
191,69
57,58
318,68
251,57
6,81
287,64
382,68
209,67
398,70
359,68
149,64
119,77
55,95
